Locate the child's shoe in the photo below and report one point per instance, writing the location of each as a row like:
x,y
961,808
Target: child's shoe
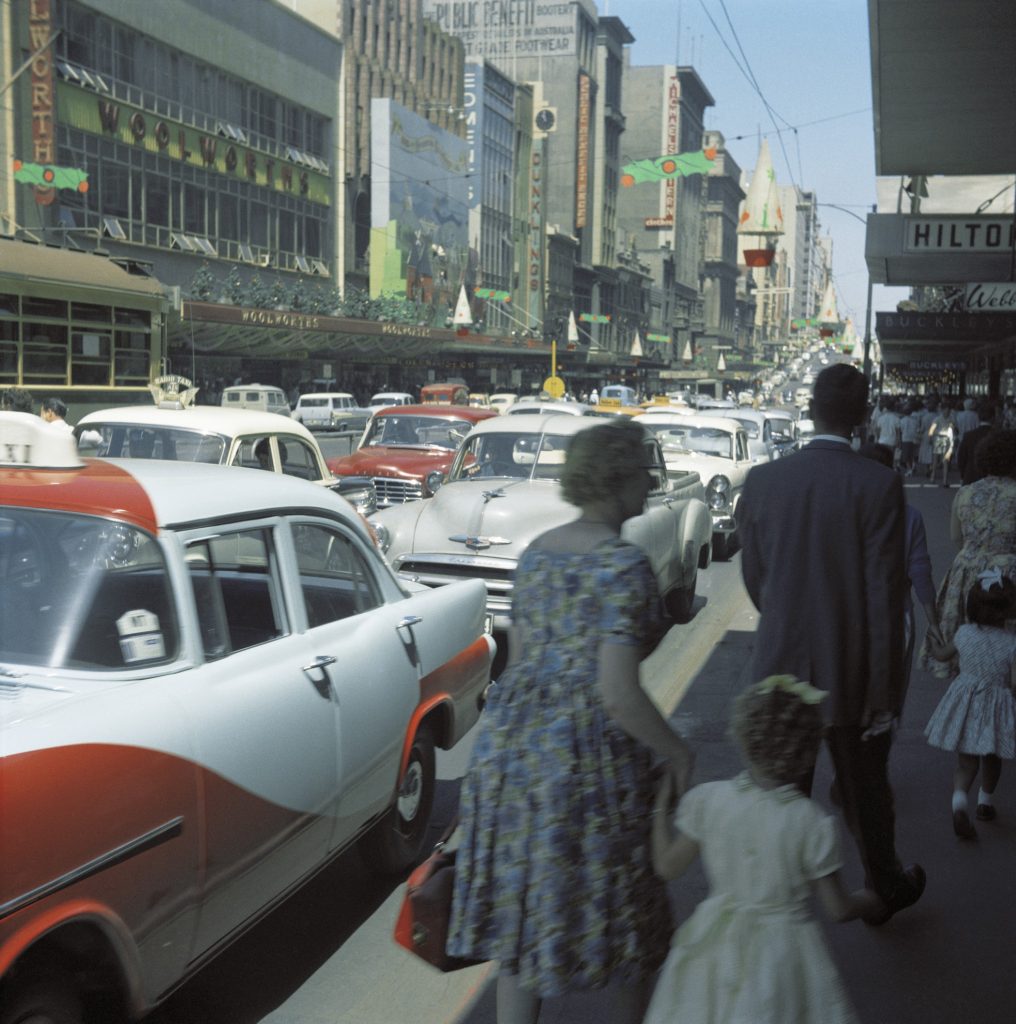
x,y
985,812
962,826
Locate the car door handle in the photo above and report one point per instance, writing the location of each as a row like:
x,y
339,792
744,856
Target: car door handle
x,y
409,620
321,661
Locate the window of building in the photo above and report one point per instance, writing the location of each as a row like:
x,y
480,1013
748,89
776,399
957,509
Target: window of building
x,y
194,209
115,189
157,199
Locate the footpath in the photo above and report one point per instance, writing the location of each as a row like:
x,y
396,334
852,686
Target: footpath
x,y
943,961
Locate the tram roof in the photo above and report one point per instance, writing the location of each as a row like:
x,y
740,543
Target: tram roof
x,y
45,266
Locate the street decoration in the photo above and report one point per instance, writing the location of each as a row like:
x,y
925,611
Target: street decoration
x,y
674,165
48,176
594,318
664,339
761,216
493,294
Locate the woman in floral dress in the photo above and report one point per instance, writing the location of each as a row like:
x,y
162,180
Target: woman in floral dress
x,y
553,877
984,523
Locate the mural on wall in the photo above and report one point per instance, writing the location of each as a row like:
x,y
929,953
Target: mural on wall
x,y
419,245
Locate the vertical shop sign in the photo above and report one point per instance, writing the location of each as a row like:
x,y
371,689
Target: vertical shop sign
x,y
39,30
582,157
537,233
671,146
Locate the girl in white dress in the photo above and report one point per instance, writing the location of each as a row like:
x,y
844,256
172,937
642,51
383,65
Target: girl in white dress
x,y
976,716
752,953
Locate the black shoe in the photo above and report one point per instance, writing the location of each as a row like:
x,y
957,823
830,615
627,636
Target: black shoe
x,y
986,812
962,826
907,892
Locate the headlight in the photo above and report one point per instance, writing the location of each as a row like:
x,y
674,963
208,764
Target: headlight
x,y
433,481
382,536
718,492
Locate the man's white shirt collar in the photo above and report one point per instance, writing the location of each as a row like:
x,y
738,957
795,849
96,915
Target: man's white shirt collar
x,y
831,437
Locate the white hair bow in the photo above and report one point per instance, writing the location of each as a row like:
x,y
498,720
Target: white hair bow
x,y
990,578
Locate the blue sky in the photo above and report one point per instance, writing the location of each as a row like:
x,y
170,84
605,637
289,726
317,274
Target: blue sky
x,y
812,63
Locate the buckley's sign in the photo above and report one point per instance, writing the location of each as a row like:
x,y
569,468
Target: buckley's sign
x,y
990,297
972,327
958,234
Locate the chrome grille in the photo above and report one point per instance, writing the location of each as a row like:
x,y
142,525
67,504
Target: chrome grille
x,y
395,491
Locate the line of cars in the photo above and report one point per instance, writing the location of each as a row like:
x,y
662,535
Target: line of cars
x,y
216,680
212,683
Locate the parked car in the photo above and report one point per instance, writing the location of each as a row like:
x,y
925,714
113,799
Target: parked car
x,y
626,394
259,397
212,686
502,400
177,432
332,410
503,490
406,451
387,399
717,449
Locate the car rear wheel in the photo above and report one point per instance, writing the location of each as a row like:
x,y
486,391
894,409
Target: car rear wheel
x,y
397,841
41,998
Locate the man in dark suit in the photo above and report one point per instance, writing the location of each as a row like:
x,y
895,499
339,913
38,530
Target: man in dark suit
x,y
822,533
966,458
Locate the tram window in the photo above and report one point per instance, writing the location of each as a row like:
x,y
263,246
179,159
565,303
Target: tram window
x,y
132,318
90,358
32,306
8,305
90,313
45,353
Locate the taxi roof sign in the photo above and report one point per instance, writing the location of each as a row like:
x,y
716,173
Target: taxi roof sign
x,y
28,442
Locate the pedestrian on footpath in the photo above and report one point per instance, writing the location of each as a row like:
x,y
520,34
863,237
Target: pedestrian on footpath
x,y
983,525
976,717
752,951
554,875
942,434
966,459
910,427
924,453
823,561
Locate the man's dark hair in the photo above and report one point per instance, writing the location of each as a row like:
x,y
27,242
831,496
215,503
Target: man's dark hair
x,y
995,454
986,411
15,400
55,406
877,453
840,398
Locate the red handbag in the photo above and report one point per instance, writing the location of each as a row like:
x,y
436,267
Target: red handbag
x,y
422,924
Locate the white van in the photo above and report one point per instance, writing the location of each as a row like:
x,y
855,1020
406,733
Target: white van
x,y
263,397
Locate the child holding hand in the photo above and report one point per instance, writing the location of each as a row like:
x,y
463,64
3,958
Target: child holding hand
x,y
976,716
752,953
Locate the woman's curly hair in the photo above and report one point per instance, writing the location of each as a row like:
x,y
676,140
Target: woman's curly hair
x,y
778,732
600,460
995,455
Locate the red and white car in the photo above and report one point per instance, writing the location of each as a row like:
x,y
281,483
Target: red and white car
x,y
211,684
406,451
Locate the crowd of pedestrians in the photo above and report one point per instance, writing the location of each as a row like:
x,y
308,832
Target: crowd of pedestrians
x,y
563,845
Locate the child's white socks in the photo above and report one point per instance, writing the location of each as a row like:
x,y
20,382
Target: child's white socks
x,y
959,800
983,798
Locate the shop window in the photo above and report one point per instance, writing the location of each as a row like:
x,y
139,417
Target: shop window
x,y
157,200
90,354
229,218
44,353
114,189
194,209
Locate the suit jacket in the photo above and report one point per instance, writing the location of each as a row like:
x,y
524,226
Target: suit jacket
x,y
822,535
965,454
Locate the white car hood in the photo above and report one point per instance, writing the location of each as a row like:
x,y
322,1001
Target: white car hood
x,y
707,466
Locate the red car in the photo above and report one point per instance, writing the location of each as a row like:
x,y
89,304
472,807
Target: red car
x,y
406,450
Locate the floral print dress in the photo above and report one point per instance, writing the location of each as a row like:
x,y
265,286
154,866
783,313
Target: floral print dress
x,y
554,877
986,511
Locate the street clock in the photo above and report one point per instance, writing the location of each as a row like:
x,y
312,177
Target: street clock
x,y
546,119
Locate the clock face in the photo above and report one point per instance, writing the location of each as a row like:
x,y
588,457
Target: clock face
x,y
545,120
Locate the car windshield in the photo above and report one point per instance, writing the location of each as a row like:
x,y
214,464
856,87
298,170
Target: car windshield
x,y
80,592
133,441
687,439
783,428
524,455
417,431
